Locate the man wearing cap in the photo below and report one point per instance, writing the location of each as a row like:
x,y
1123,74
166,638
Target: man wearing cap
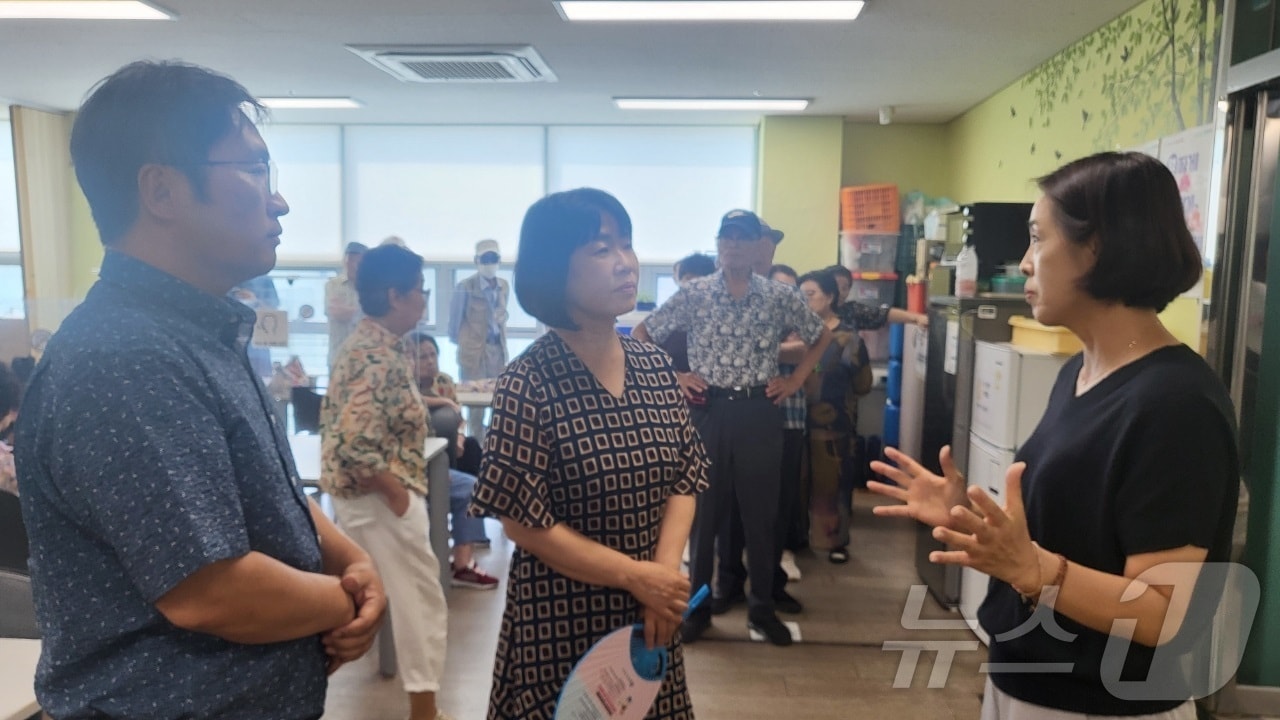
x,y
341,304
731,573
478,317
736,321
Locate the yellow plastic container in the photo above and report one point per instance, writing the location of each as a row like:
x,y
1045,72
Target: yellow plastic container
x,y
1029,334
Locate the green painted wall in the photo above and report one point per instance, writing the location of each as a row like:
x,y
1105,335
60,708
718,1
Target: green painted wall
x,y
1146,74
86,248
799,193
913,157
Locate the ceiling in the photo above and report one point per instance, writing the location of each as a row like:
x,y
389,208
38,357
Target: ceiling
x,y
930,59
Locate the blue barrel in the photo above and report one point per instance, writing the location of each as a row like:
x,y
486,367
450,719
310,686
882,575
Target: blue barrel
x,y
897,337
893,389
892,417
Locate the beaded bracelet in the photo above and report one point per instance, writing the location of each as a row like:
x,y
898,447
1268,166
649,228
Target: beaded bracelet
x,y
1032,599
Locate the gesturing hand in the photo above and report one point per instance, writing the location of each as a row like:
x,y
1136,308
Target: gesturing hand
x,y
362,582
991,538
925,496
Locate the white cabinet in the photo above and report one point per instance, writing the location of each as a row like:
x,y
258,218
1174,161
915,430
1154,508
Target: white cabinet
x,y
1011,388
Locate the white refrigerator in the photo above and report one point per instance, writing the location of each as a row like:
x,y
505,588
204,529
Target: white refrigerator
x,y
1011,388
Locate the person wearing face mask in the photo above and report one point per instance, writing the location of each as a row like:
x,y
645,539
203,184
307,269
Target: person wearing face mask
x,y
478,322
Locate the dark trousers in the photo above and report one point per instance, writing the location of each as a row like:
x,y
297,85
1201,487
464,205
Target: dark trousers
x,y
743,439
730,539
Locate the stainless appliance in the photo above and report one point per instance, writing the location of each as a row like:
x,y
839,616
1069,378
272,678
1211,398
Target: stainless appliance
x,y
954,325
997,230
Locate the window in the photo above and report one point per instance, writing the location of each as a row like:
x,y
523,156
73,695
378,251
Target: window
x,y
309,160
441,188
675,182
12,300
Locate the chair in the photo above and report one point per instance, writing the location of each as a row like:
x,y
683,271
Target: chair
x,y
306,410
13,535
17,609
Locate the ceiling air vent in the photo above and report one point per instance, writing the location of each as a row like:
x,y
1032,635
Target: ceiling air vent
x,y
458,63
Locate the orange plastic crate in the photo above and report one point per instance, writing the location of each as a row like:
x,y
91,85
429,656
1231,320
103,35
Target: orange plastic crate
x,y
866,208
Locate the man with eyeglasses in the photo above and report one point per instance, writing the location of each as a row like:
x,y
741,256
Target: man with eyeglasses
x,y
736,321
178,568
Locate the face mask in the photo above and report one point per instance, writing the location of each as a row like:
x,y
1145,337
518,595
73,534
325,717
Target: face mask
x,y
489,270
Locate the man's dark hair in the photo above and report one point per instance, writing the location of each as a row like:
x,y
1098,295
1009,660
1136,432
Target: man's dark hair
x,y
418,337
826,281
835,270
698,265
785,270
166,113
384,268
553,228
1129,205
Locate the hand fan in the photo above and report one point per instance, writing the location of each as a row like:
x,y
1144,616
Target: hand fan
x,y
618,678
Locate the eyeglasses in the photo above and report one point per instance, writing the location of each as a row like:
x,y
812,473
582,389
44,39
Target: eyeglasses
x,y
258,168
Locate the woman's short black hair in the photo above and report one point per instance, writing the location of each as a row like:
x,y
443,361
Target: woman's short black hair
x,y
697,265
785,270
386,267
167,113
553,228
418,337
1128,203
826,282
835,270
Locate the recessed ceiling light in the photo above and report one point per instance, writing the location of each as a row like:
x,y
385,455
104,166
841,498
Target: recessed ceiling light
x,y
707,10
81,10
311,103
740,104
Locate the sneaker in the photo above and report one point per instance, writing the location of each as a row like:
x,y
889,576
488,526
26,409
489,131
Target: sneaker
x,y
838,556
789,566
771,628
783,601
473,577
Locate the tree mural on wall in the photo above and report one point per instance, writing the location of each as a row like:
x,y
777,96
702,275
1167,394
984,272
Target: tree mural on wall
x,y
1150,71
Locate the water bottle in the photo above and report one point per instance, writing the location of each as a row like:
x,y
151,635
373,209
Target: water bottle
x,y
967,272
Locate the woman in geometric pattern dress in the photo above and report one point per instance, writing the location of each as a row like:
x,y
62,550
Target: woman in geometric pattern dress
x,y
591,463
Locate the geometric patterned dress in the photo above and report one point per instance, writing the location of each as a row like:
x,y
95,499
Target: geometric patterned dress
x,y
562,449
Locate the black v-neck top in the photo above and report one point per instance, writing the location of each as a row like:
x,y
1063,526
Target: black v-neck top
x,y
1144,461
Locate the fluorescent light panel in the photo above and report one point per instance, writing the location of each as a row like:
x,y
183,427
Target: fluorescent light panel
x,y
80,10
739,104
311,103
707,10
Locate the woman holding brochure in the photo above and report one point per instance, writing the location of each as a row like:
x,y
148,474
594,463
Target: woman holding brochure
x,y
591,463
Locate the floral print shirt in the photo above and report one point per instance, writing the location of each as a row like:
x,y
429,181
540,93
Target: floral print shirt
x,y
443,387
373,418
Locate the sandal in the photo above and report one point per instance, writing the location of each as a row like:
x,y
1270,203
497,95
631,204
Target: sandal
x,y
839,556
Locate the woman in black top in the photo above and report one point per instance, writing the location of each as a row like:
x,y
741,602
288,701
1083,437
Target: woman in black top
x,y
1132,472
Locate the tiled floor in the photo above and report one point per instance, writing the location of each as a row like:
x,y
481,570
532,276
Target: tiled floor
x,y
840,669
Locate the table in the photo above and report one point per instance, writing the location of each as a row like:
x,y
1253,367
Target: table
x,y
475,403
18,660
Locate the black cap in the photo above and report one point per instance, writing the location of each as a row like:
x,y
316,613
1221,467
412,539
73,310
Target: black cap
x,y
744,220
771,233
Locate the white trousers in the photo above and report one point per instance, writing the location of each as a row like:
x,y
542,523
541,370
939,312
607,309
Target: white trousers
x,y
411,576
999,705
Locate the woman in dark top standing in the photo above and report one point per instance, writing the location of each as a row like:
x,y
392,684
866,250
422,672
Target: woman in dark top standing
x,y
1125,495
591,463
